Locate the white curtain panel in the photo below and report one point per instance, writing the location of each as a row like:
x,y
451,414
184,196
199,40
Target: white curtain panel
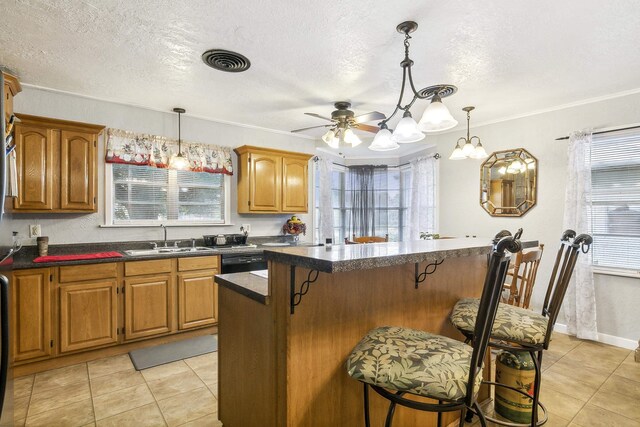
x,y
579,306
424,184
326,206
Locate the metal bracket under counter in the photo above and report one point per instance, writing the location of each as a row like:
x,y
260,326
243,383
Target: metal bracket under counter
x,y
296,297
429,269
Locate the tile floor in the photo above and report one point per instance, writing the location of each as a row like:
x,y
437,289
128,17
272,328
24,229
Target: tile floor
x,y
110,392
584,384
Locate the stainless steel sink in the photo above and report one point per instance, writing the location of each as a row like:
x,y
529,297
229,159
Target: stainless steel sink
x,y
144,252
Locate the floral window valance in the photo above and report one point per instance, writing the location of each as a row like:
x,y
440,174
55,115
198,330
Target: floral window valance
x,y
152,150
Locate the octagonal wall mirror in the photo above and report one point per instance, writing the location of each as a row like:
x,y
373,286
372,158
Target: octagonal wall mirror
x,y
508,182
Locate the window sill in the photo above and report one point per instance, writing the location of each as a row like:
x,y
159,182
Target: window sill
x,y
194,224
616,272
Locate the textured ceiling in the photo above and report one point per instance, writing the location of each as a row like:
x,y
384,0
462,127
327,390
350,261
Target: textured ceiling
x,y
506,57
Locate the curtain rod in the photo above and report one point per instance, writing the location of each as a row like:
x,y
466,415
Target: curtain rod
x,y
603,131
436,156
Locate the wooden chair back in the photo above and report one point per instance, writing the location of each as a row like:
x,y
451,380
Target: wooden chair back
x,y
523,277
369,239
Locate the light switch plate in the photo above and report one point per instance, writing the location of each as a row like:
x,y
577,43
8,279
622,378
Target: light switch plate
x,y
35,230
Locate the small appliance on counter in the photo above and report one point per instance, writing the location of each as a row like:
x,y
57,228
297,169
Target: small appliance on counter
x,y
225,240
235,254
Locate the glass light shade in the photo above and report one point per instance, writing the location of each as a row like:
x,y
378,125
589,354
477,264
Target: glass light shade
x,y
502,170
407,131
468,149
351,138
531,165
178,162
436,117
383,141
457,154
479,152
330,139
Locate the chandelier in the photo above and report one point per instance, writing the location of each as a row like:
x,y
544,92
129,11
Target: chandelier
x,y
435,118
468,150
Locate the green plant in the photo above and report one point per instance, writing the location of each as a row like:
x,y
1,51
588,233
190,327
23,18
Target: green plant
x,y
429,236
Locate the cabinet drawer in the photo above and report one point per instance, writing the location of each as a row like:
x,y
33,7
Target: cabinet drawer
x,y
197,263
137,268
77,273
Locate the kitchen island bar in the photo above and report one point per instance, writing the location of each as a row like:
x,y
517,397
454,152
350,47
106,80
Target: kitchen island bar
x,y
282,355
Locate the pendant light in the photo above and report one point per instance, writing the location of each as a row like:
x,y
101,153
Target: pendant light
x,y
435,118
330,139
350,137
178,161
467,150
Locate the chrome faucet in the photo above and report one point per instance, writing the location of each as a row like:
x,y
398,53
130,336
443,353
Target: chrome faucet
x,y
164,227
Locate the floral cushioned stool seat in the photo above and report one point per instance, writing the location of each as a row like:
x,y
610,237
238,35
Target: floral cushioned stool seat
x,y
512,323
413,361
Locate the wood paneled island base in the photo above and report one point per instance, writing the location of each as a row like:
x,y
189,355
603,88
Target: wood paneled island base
x,y
282,369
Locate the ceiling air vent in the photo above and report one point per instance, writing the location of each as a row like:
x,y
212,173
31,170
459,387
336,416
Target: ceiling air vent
x,y
225,60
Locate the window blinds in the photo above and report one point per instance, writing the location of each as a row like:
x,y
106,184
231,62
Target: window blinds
x,y
615,212
148,195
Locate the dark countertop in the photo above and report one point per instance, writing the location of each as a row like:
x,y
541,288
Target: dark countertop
x,y
24,258
340,258
247,284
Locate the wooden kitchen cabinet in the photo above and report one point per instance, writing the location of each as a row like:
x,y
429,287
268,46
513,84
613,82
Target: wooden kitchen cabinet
x,y
88,311
11,89
57,165
88,314
31,314
197,292
272,181
148,298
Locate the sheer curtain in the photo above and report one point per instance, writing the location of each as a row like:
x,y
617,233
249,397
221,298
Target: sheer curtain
x,y
579,306
422,211
325,202
368,200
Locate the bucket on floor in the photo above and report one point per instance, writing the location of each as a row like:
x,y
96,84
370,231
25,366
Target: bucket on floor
x,y
515,369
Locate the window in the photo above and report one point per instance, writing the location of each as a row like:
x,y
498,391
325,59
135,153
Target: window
x,y
392,195
146,195
615,212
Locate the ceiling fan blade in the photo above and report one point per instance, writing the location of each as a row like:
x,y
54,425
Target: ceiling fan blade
x,y
312,127
319,116
368,117
366,128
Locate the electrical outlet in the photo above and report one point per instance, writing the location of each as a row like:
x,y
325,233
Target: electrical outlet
x,y
246,228
35,230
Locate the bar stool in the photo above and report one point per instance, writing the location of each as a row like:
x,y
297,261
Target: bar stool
x,y
518,329
397,361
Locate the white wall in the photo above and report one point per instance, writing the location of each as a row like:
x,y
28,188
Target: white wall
x,y
461,214
81,228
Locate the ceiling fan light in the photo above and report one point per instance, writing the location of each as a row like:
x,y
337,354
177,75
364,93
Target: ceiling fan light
x,y
351,138
383,141
178,162
407,130
436,117
327,137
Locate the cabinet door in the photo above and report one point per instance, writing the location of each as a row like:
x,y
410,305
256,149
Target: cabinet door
x,y
265,180
31,317
197,299
88,315
294,185
34,155
8,101
78,171
148,306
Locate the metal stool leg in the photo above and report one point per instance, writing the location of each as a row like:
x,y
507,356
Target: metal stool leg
x,y
483,420
392,410
367,421
439,415
463,417
537,362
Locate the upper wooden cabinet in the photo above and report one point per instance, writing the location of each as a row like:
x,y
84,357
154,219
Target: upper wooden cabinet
x,y
272,181
11,88
57,165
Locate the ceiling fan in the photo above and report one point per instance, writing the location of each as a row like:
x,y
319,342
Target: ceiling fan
x,y
343,121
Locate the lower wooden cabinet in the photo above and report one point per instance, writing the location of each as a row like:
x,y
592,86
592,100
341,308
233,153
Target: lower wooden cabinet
x,y
148,306
197,299
31,314
88,315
